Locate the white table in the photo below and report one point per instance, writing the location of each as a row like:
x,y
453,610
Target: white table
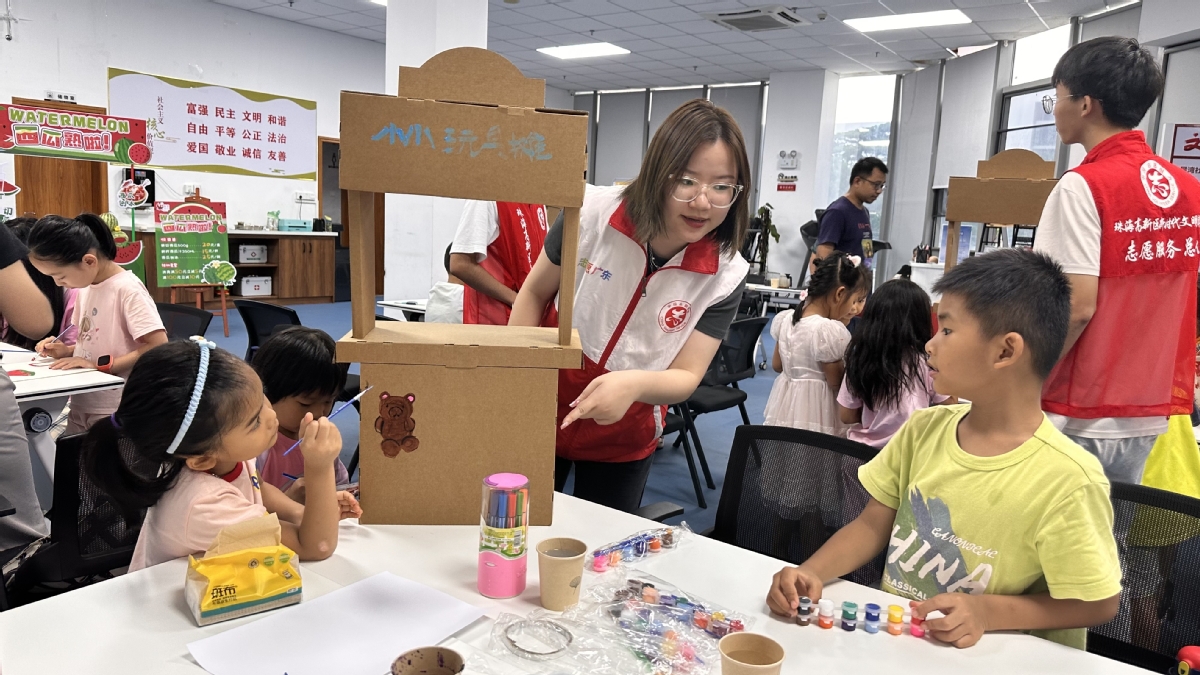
x,y
138,623
410,309
50,394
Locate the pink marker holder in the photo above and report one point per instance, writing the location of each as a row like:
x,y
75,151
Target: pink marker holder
x,y
503,535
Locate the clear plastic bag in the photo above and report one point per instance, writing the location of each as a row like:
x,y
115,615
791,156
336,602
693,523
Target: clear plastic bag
x,y
543,643
666,599
637,547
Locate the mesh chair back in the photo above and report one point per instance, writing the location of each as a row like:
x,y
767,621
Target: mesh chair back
x,y
261,319
182,322
735,357
787,491
1158,537
88,534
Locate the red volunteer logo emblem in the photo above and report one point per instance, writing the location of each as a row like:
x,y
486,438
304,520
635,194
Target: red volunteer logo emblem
x,y
673,316
1159,184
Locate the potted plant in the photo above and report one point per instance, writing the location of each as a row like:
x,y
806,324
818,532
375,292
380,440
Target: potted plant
x,y
768,232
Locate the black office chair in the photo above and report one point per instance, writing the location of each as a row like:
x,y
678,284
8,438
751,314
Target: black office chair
x,y
182,321
718,389
787,491
89,538
261,319
1158,536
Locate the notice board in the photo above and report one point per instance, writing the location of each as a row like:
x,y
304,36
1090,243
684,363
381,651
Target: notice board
x,y
192,244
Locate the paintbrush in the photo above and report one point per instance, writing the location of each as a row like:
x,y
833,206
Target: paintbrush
x,y
342,407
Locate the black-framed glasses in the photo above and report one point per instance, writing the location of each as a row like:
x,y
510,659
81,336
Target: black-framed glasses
x,y
720,195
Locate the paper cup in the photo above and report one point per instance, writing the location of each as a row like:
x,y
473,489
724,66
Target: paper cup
x,y
750,654
560,570
429,661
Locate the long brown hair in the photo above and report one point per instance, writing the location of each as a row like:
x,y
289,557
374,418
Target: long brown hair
x,y
693,124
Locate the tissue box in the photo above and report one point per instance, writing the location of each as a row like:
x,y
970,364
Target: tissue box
x,y
252,253
252,286
245,571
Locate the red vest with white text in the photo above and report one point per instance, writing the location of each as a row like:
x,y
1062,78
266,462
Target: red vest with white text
x,y
1136,357
630,321
509,259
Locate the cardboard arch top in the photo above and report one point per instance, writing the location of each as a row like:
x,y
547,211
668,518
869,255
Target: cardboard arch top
x,y
1015,163
474,75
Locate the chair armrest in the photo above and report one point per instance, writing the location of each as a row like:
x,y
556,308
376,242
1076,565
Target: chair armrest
x,y
659,511
7,509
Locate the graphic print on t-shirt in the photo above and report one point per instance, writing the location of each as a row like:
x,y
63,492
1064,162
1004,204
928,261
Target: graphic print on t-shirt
x,y
925,558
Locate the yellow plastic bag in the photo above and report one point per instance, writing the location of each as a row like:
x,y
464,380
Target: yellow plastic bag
x,y
245,571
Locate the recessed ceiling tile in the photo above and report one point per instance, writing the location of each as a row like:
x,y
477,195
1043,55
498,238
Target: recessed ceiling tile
x,y
791,42
699,27
327,24
641,5
654,31
999,12
680,41
625,20
754,47
613,35
581,25
366,34
533,42
592,7
961,30
547,13
506,33
281,12
672,15
859,10
727,36
706,51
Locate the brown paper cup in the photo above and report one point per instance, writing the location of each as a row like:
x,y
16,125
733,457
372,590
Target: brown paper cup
x,y
560,570
429,661
750,654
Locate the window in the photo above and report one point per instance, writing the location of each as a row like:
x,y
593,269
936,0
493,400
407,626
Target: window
x,y
1035,56
862,127
1024,124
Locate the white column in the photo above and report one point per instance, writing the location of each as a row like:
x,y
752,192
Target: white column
x,y
418,229
800,112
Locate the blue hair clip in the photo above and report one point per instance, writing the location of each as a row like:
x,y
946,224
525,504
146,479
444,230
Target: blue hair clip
x,y
197,392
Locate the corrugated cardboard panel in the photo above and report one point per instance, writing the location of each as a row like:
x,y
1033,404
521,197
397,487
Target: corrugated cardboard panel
x,y
461,346
471,74
425,147
466,424
1001,201
1015,163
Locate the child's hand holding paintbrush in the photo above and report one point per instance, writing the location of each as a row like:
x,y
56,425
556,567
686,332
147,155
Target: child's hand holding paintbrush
x,y
53,348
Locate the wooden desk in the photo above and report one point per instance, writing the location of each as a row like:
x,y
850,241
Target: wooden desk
x,y
300,264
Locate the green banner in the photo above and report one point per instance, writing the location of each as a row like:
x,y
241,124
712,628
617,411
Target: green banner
x,y
192,244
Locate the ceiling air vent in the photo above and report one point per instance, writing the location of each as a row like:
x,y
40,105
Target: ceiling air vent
x,y
770,17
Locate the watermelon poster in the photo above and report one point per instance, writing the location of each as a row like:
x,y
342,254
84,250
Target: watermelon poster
x,y
47,132
129,251
192,244
199,126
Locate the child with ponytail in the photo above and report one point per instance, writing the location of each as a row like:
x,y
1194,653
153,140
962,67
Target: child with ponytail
x,y
810,347
116,319
183,444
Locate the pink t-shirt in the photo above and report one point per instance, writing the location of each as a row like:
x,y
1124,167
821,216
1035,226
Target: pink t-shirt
x,y
273,464
878,427
186,520
110,317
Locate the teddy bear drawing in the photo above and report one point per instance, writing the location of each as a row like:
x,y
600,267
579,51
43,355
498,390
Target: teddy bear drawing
x,y
395,424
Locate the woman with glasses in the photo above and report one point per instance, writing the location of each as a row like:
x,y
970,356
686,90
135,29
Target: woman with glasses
x,y
659,281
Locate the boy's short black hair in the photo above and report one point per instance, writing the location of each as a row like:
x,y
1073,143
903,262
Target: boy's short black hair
x,y
1015,290
299,361
1116,71
864,167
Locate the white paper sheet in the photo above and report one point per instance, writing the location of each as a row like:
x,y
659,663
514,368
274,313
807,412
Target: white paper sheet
x,y
359,629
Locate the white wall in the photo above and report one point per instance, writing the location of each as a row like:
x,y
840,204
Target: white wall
x,y
67,45
621,130
419,228
800,112
559,99
967,99
911,167
1169,22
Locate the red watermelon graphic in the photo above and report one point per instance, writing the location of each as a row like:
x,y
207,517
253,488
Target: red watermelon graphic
x,y
7,189
139,153
128,254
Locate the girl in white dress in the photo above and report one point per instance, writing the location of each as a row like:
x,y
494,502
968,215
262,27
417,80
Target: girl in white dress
x,y
809,348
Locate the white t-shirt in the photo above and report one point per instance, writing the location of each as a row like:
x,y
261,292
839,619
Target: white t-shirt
x,y
477,229
1069,232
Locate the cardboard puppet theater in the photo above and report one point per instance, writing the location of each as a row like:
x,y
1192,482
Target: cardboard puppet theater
x,y
1010,189
455,403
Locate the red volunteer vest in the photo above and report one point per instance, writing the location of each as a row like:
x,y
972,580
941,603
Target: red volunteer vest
x,y
509,259
1136,357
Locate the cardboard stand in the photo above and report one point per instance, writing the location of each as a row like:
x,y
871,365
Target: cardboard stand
x,y
1010,189
454,403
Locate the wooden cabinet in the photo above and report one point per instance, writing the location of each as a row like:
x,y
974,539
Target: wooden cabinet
x,y
305,267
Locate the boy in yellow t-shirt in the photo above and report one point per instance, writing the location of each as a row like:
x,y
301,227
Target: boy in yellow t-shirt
x,y
989,514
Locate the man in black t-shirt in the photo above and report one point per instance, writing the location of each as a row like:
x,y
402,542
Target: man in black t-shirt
x,y
846,225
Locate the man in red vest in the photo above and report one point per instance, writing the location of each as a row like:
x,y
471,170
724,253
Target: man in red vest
x,y
1125,226
494,248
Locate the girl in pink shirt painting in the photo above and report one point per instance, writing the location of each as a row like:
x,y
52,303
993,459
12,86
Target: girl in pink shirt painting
x,y
116,318
887,378
182,445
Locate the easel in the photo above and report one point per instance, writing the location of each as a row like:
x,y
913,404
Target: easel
x,y
1010,188
470,384
219,290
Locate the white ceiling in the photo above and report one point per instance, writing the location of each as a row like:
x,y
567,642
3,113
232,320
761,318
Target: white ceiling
x,y
672,44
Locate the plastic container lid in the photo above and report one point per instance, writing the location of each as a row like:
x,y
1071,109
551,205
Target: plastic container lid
x,y
506,481
825,607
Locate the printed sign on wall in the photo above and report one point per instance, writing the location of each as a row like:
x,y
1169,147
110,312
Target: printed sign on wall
x,y
192,244
202,127
1185,148
67,134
